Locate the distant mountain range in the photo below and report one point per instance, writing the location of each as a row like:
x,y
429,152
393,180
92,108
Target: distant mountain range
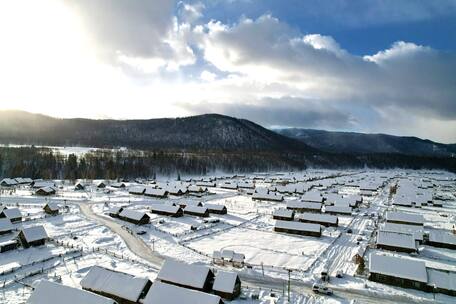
x,y
202,132
215,139
360,143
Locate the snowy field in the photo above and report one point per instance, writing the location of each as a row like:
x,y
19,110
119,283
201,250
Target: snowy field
x,y
84,233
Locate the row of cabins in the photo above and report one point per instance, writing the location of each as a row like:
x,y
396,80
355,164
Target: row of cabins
x,y
322,219
141,218
410,273
10,182
176,283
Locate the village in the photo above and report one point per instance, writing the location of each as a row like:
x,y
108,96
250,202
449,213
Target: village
x,y
316,236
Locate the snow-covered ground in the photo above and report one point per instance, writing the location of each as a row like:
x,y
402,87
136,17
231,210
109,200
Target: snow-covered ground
x,y
84,235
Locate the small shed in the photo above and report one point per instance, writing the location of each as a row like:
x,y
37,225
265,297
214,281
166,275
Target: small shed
x,y
13,214
121,287
196,211
190,276
101,185
33,236
135,217
227,285
51,208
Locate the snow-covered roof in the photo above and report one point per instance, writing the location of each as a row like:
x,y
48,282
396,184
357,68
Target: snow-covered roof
x,y
442,237
393,216
398,267
132,214
164,208
442,279
195,209
8,182
165,293
155,192
417,231
114,283
338,209
281,212
394,239
53,206
52,293
47,189
295,204
5,225
137,190
312,196
43,184
267,196
298,226
12,213
34,233
316,217
183,274
215,207
115,210
225,281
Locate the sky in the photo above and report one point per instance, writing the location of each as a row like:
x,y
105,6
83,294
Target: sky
x,y
378,66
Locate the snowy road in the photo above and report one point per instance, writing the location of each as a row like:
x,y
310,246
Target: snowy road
x,y
135,244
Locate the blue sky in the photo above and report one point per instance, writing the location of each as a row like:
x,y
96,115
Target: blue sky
x,y
378,66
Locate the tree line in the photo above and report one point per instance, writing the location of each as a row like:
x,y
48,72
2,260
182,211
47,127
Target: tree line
x,y
46,163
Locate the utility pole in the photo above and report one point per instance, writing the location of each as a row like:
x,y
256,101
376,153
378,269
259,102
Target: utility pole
x,y
289,284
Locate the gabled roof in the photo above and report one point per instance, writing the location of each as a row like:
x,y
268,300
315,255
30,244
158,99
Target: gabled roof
x,y
5,225
52,293
398,267
225,281
161,293
215,207
34,233
114,283
164,208
53,206
195,209
298,226
137,189
184,274
395,239
404,217
281,212
132,214
316,217
12,213
295,204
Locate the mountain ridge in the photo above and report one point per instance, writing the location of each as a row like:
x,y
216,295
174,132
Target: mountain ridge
x,y
362,143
